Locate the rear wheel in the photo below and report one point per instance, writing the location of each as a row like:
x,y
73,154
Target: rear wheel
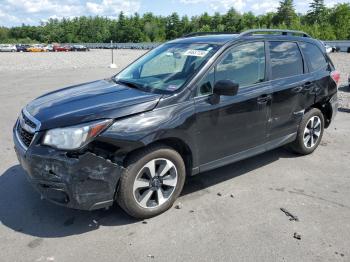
x,y
153,179
309,133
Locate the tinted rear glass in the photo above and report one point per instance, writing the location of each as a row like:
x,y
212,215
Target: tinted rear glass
x,y
314,56
286,59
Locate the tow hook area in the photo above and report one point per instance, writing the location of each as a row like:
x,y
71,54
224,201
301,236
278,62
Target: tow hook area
x,y
84,182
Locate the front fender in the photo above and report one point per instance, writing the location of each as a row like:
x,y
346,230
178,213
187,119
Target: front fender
x,y
175,121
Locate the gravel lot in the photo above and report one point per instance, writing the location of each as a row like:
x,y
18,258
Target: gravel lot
x,y
342,64
242,223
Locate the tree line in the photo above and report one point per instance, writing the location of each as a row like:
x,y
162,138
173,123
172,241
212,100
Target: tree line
x,y
320,21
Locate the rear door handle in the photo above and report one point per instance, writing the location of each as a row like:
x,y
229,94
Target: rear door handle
x,y
308,84
264,99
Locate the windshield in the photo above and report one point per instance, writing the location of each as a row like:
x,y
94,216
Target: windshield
x,y
166,68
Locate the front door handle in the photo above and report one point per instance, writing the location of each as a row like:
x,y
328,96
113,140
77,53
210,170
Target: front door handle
x,y
263,99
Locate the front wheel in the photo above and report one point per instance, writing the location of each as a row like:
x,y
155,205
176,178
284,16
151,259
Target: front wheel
x,y
153,179
310,132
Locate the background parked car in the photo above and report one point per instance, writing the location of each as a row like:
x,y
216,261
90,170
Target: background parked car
x,y
48,48
58,48
8,48
328,48
22,48
80,48
36,48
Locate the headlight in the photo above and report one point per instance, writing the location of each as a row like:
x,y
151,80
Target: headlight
x,y
74,137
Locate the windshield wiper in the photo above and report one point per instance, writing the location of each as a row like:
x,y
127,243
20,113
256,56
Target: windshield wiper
x,y
128,83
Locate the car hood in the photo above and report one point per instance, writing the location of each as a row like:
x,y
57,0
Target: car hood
x,y
89,101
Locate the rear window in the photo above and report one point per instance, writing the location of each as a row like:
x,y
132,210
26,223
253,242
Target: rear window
x,y
286,59
314,56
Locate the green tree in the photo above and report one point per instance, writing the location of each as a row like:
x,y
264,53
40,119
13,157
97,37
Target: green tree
x,y
266,20
340,20
173,26
217,23
285,13
248,21
317,12
321,22
4,34
231,20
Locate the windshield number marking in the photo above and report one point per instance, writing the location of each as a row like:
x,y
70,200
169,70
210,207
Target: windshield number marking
x,y
198,53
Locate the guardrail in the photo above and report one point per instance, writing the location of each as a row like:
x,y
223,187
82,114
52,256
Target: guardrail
x,y
145,46
341,45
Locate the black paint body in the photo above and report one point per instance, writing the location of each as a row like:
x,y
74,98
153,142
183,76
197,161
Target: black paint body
x,y
209,130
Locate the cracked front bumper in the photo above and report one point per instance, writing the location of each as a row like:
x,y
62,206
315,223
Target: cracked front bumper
x,y
85,182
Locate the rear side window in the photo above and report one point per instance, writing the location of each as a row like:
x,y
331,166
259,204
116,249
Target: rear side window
x,y
314,56
286,59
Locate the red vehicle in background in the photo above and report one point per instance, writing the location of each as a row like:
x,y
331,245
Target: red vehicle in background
x,y
59,48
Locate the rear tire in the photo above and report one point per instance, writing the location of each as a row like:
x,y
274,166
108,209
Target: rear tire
x,y
309,133
153,179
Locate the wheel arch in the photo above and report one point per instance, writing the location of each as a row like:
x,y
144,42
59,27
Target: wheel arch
x,y
176,144
327,111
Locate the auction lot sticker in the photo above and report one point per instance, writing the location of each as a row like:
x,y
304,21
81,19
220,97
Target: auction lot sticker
x,y
199,53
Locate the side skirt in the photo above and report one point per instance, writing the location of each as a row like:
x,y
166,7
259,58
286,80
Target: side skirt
x,y
246,154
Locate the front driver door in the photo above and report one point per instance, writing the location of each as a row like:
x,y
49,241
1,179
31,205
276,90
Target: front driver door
x,y
234,123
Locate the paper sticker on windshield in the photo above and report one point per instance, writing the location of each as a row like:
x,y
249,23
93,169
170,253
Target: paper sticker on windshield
x,y
199,53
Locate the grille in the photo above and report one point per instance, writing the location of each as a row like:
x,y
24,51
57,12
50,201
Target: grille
x,y
28,121
24,135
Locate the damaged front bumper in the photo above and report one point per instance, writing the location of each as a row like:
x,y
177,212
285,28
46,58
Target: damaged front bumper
x,y
84,182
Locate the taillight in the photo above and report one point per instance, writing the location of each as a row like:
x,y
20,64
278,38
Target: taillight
x,y
335,76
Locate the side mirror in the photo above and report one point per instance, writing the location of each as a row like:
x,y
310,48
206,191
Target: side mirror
x,y
225,88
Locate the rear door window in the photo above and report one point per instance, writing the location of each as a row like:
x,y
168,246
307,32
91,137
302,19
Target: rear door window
x,y
286,59
314,56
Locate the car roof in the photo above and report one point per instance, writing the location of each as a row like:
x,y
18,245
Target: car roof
x,y
225,38
219,39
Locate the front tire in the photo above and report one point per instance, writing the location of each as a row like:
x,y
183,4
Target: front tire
x,y
153,179
309,133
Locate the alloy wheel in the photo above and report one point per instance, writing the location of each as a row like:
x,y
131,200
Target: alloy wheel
x,y
155,183
312,132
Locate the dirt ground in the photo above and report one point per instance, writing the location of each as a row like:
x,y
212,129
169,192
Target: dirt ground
x,y
229,214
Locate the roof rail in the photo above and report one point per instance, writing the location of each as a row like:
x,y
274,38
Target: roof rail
x,y
281,31
207,33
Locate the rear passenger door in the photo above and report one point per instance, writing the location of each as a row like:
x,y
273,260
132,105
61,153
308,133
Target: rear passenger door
x,y
292,88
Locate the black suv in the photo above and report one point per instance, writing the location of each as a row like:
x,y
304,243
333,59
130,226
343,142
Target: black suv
x,y
187,106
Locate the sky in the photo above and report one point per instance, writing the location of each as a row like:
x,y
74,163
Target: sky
x,y
16,12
